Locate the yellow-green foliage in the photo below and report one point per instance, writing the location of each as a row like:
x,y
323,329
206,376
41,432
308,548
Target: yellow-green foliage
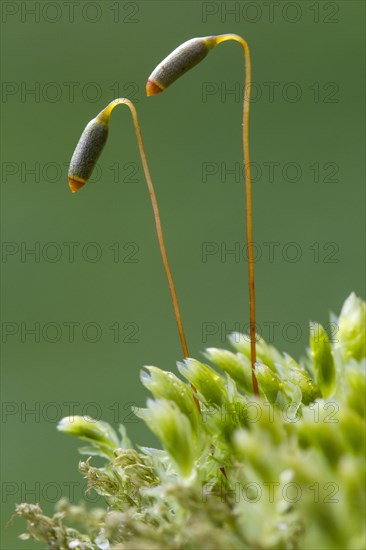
x,y
285,471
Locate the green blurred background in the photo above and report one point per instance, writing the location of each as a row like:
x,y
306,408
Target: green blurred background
x,y
103,311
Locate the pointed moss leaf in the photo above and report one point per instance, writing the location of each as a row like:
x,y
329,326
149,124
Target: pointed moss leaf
x,y
99,433
270,384
173,429
266,353
236,365
298,376
166,385
351,334
321,353
207,381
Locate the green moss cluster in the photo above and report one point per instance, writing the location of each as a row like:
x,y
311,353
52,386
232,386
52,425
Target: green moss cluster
x,y
285,471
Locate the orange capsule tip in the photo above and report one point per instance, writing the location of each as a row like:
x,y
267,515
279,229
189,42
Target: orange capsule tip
x,y
153,88
76,183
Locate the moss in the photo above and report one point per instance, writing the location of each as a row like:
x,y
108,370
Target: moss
x,y
285,470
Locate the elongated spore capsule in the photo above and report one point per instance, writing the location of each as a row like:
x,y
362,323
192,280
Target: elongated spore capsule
x,y
87,152
183,58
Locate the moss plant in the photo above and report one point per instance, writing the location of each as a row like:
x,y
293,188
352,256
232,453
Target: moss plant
x,y
294,458
266,453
